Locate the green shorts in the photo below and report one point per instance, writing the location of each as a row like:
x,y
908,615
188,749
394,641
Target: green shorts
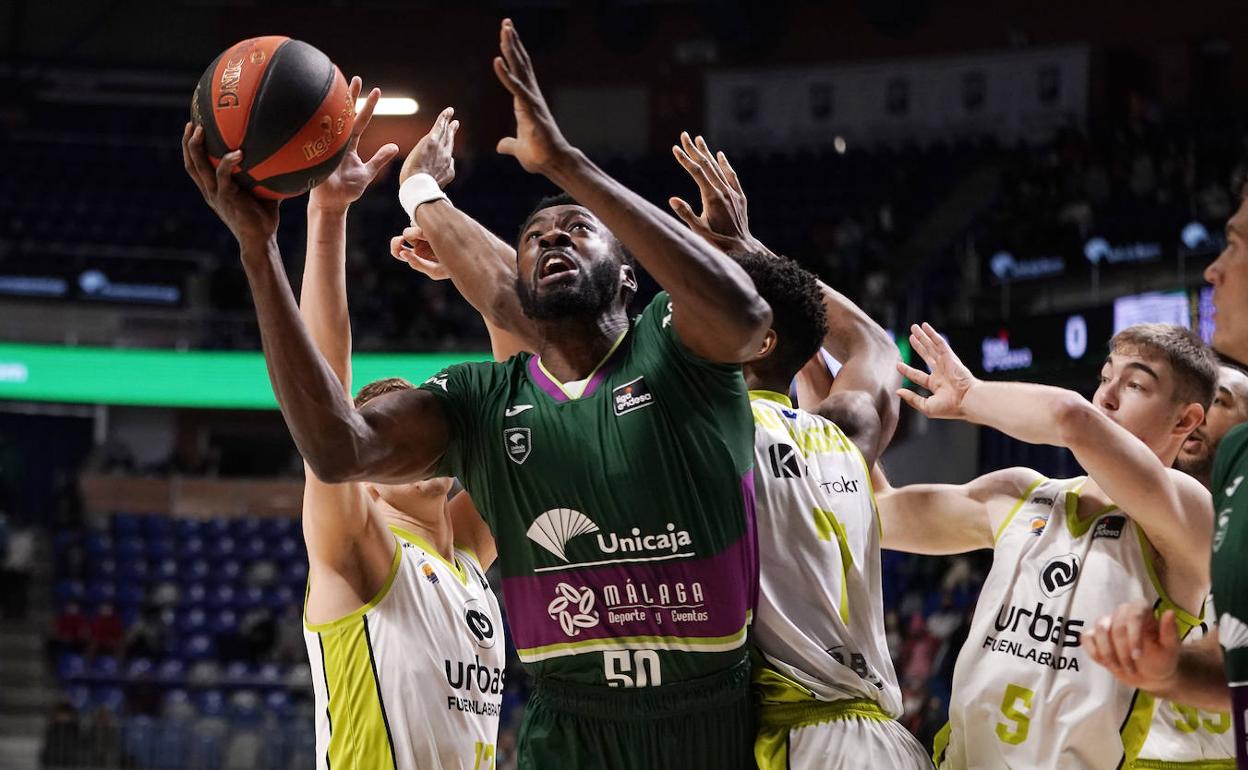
x,y
704,723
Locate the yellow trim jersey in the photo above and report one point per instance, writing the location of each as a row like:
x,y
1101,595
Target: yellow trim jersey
x,y
413,680
1186,738
1025,695
820,619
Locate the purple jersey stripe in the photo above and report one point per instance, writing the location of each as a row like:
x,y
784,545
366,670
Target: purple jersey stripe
x,y
689,598
545,383
751,535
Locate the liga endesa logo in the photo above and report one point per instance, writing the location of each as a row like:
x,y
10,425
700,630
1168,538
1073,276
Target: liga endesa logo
x,y
631,396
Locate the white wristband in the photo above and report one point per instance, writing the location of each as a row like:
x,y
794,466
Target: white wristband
x,y
418,189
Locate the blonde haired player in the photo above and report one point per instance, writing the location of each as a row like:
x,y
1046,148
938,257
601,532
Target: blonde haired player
x,y
404,635
829,694
1025,693
1183,736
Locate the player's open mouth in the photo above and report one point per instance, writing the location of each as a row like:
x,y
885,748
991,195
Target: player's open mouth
x,y
555,265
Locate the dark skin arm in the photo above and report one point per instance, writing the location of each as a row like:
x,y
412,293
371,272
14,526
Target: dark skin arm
x,y
397,437
862,400
716,311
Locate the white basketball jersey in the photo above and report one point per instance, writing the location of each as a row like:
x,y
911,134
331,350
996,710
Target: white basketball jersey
x,y
820,619
1184,736
1025,693
414,679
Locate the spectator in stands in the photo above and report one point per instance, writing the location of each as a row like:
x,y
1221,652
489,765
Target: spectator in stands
x,y
18,562
62,741
70,632
106,631
919,650
102,741
289,645
146,636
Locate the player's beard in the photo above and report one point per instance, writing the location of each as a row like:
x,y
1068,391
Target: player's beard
x,y
588,296
1198,467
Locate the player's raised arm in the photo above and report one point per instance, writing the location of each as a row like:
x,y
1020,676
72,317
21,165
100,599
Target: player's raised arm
x,y
862,399
1174,510
396,437
444,242
716,311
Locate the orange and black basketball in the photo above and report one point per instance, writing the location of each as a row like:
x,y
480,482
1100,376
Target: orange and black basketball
x,y
284,104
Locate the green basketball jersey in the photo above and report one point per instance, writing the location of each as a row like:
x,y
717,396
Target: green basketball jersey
x,y
1230,544
623,517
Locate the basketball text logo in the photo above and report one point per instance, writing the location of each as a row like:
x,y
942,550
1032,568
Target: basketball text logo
x,y
229,83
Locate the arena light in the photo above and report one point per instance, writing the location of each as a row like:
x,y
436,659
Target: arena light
x,y
392,105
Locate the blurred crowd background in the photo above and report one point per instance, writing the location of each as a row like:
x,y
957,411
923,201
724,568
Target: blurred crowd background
x,y
1029,179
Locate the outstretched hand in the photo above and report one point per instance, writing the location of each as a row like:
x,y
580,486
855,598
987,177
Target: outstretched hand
x,y
949,381
353,175
1139,649
723,222
538,143
432,155
252,220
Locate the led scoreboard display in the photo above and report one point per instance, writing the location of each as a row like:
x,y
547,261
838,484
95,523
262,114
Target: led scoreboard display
x,y
1058,347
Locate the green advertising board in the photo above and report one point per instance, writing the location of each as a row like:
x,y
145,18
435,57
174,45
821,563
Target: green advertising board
x,y
173,378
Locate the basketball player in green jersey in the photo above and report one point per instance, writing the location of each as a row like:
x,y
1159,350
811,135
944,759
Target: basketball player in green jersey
x,y
1146,653
390,567
1066,551
614,468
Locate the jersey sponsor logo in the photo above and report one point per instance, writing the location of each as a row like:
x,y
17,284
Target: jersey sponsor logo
x,y
1232,632
667,319
843,486
631,396
573,608
1042,501
858,664
512,411
439,380
473,678
670,541
1039,625
678,602
785,462
479,624
518,442
554,528
1110,527
1059,574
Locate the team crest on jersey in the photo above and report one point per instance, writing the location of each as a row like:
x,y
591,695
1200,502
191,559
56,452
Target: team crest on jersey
x,y
1110,526
426,569
1037,524
518,442
631,396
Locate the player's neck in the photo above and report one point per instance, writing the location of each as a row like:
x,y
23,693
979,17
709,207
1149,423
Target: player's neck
x,y
756,380
571,348
432,523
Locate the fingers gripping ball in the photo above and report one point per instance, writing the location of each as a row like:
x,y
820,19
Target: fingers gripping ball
x,y
284,104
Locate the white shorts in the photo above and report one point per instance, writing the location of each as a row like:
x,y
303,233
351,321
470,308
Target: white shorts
x,y
843,742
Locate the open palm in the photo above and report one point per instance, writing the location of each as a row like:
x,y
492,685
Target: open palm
x,y
949,380
354,174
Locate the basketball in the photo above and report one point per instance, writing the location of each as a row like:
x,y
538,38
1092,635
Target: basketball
x,y
284,104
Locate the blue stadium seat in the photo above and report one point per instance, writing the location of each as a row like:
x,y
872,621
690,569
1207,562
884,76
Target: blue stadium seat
x,y
128,614
215,529
171,671
192,546
69,590
184,528
220,548
156,527
194,594
287,549
167,568
198,647
245,707
111,698
192,620
130,548
102,569
282,596
79,696
132,568
245,527
280,703
139,668
100,591
239,673
223,621
99,545
221,596
210,702
70,666
251,597
252,548
197,570
229,570
161,548
126,524
103,669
